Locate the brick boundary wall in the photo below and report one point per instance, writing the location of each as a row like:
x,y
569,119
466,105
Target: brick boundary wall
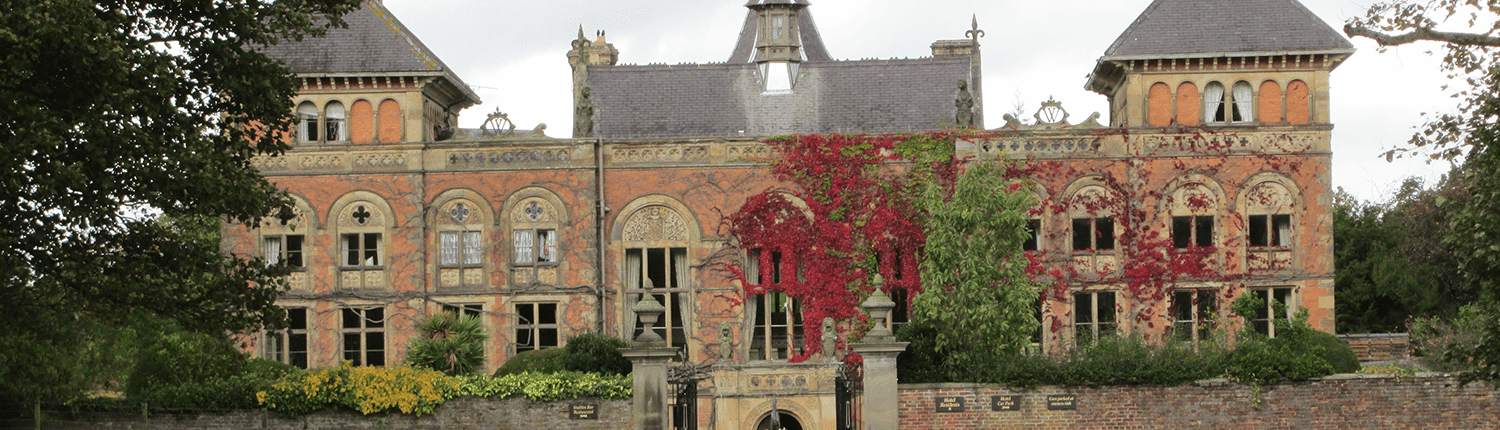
x,y
1426,401
467,413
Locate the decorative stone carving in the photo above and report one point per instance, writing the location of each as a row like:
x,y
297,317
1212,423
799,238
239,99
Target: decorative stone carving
x,y
656,223
351,279
361,214
481,158
626,154
374,279
379,159
546,275
965,104
1196,198
449,277
522,275
459,212
726,342
830,335
583,115
533,209
270,163
473,276
1051,116
1043,144
758,151
323,161
1268,195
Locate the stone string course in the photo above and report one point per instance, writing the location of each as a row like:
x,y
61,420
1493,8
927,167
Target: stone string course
x,y
458,414
1339,402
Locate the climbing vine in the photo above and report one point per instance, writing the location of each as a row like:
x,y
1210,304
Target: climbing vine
x,y
853,209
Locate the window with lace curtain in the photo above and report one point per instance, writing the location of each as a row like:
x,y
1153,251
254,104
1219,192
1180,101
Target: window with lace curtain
x,y
1235,105
461,243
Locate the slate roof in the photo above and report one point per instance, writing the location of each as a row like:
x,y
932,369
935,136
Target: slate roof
x,y
713,100
374,43
1194,28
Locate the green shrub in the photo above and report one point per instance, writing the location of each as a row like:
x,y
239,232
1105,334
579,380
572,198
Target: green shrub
x,y
595,353
536,361
449,343
1294,354
1439,344
1335,351
921,362
547,387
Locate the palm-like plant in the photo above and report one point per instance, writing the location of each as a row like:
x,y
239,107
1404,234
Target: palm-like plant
x,y
449,343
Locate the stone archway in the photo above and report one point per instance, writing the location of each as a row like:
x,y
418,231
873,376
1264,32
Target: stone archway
x,y
787,421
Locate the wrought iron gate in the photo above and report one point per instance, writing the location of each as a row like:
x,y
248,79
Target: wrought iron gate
x,y
683,381
685,405
846,388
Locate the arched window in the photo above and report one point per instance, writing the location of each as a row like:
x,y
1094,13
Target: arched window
x,y
285,241
1092,209
1213,102
534,223
1188,112
1231,107
333,121
1194,207
362,236
1270,224
1244,103
1159,105
1270,102
656,240
1298,108
307,122
462,246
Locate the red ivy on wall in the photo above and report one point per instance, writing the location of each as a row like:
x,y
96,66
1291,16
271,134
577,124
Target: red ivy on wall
x,y
851,213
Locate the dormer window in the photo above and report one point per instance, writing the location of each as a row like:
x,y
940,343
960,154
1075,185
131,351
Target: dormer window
x,y
778,27
778,76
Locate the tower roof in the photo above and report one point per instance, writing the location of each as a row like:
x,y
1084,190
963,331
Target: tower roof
x,y
812,41
374,43
1210,28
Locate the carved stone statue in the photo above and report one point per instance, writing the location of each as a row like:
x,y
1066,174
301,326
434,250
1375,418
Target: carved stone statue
x,y
965,104
583,115
726,343
829,337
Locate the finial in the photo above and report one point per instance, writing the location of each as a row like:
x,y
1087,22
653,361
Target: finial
x,y
975,33
580,31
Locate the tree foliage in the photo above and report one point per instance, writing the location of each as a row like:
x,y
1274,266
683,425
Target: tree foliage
x,y
1392,263
977,288
449,343
115,109
1472,133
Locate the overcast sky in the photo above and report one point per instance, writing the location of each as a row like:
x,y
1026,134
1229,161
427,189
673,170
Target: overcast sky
x,y
514,54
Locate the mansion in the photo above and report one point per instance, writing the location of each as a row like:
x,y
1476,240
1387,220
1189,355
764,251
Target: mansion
x,y
1216,145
